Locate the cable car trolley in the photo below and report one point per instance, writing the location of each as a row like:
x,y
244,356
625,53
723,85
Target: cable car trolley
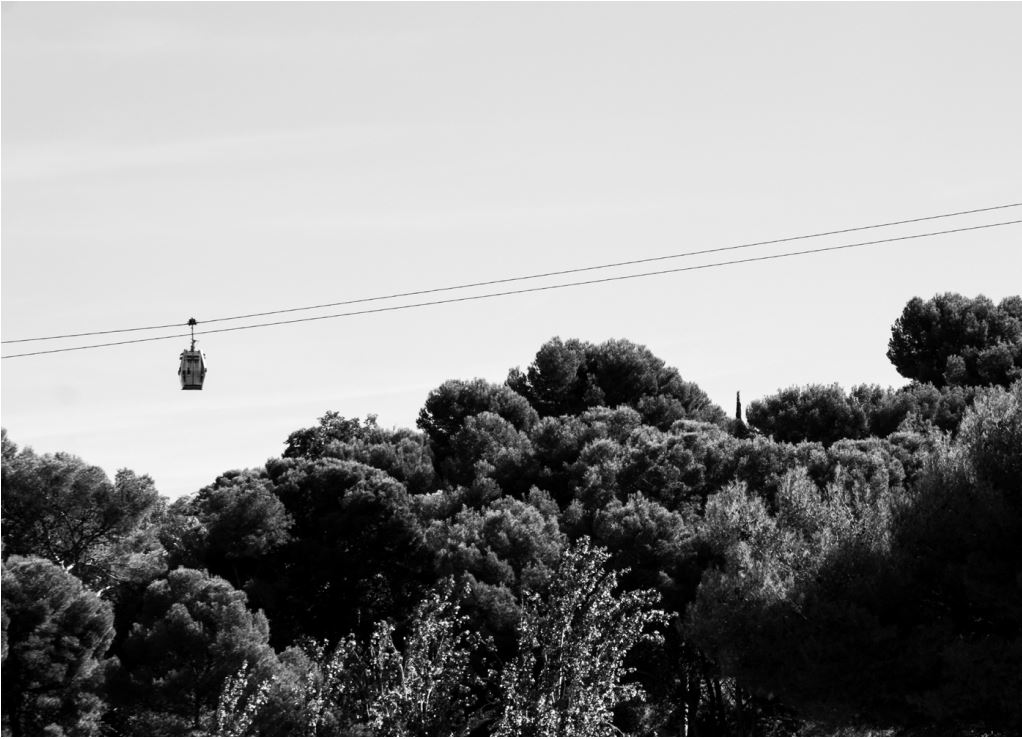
x,y
192,370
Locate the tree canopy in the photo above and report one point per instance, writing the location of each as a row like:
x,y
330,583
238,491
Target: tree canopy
x,y
56,634
590,547
60,508
569,377
954,340
191,632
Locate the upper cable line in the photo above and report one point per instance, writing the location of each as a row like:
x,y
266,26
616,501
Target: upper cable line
x,y
505,280
541,288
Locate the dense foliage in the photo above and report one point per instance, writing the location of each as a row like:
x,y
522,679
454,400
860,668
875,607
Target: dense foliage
x,y
589,548
954,340
56,634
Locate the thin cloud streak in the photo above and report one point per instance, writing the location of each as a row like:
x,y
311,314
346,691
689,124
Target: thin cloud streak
x,y
56,160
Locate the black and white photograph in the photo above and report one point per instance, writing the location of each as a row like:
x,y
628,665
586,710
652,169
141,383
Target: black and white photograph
x,y
511,368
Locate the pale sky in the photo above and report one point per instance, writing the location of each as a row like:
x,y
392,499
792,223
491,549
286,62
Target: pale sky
x,y
168,160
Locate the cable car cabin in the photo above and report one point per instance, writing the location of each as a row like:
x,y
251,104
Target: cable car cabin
x,y
192,369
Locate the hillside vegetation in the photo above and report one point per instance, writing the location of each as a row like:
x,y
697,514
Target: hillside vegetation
x,y
589,548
